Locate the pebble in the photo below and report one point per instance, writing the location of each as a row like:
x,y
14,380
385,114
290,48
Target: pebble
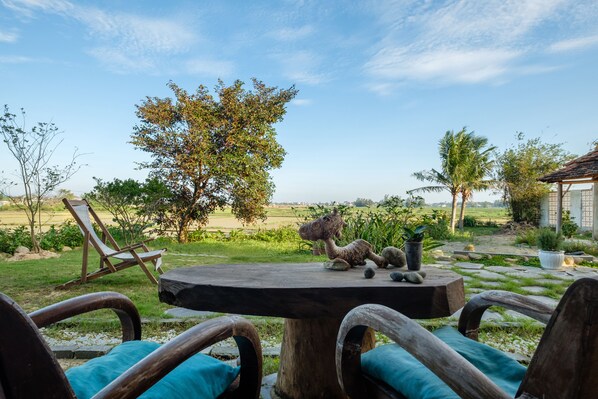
x,y
369,272
414,277
396,276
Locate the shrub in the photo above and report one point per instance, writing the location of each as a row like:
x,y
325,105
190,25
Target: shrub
x,y
470,221
580,246
569,227
10,239
549,240
51,240
527,236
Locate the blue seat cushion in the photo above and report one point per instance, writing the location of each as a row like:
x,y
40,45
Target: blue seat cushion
x,y
393,365
200,376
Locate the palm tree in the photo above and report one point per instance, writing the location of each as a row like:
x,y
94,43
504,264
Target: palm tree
x,y
478,164
451,177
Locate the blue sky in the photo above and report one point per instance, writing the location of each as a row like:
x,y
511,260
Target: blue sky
x,y
379,81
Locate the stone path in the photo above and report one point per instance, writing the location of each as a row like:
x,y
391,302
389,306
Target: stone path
x,y
544,285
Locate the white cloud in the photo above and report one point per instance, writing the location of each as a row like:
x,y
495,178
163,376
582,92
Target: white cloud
x,y
468,41
580,43
292,34
15,59
301,102
464,66
122,42
212,68
8,37
302,67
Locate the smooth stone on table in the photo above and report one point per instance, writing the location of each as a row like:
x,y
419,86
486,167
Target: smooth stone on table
x,y
369,272
414,277
336,264
394,256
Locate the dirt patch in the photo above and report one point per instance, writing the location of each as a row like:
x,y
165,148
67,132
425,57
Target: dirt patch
x,y
497,243
32,256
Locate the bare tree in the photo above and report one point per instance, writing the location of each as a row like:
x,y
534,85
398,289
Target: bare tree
x,y
33,150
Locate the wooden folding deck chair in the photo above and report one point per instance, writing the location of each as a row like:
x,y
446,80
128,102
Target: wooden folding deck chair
x,y
125,256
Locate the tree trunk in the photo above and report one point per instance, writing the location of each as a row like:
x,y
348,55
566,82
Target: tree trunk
x,y
35,247
453,213
462,214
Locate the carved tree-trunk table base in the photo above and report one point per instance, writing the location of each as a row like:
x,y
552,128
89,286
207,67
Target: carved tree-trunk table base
x,y
307,366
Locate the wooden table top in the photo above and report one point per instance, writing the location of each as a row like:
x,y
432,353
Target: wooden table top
x,y
307,290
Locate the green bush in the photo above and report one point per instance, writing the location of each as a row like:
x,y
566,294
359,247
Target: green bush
x,y
470,221
580,246
527,236
569,227
56,238
438,225
10,239
549,240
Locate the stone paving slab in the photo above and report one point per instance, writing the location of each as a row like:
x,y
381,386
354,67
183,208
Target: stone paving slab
x,y
488,274
534,289
544,299
469,265
186,313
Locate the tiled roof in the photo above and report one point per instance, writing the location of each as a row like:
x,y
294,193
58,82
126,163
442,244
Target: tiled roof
x,y
585,166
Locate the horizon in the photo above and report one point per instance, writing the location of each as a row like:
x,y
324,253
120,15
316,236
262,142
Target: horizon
x,y
379,82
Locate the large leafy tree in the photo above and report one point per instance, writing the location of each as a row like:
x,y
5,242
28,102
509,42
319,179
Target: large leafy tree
x,y
213,152
519,168
464,163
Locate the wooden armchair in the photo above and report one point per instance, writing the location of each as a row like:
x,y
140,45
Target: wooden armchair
x,y
29,369
564,365
112,257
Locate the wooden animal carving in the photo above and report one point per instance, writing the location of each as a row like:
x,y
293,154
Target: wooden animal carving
x,y
329,227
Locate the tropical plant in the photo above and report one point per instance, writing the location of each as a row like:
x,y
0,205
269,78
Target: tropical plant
x,y
548,240
478,165
213,152
415,234
518,171
464,164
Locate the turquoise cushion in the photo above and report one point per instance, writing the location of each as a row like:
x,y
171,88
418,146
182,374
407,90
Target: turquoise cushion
x,y
200,376
393,365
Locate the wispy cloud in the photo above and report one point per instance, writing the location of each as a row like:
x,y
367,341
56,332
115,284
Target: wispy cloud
x,y
465,41
302,67
291,34
464,66
16,59
301,102
580,43
212,68
8,37
122,42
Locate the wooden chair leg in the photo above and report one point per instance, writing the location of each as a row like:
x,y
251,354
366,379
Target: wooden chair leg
x,y
85,254
144,268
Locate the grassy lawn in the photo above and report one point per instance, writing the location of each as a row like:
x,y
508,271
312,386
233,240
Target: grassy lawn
x,y
31,283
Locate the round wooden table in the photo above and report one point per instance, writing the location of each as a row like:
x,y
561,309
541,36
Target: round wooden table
x,y
313,300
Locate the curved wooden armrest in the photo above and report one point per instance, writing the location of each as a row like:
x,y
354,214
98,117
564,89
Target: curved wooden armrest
x,y
156,365
452,368
471,315
120,304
